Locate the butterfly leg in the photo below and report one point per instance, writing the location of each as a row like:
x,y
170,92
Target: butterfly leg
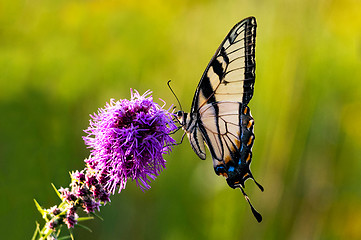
x,y
175,130
176,144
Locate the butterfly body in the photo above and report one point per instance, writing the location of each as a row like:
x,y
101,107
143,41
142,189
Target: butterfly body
x,y
219,116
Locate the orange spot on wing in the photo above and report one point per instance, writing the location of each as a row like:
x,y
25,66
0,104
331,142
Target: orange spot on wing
x,y
250,123
224,175
250,140
245,175
245,111
227,159
248,158
238,143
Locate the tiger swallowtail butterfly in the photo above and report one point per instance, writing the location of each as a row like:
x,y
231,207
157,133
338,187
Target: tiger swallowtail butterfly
x,y
219,116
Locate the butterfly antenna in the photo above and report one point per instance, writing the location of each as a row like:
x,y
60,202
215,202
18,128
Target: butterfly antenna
x,y
256,214
168,83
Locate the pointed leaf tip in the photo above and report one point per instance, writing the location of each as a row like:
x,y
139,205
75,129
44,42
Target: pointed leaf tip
x,y
56,190
85,227
96,215
40,209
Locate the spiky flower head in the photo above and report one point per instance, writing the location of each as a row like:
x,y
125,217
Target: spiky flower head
x,y
128,139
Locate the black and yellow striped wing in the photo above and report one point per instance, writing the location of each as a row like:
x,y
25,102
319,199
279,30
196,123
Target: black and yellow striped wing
x,y
220,117
230,75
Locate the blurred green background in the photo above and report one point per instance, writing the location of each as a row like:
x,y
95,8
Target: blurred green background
x,y
61,60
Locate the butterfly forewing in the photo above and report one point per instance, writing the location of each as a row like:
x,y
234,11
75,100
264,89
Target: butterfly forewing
x,y
230,74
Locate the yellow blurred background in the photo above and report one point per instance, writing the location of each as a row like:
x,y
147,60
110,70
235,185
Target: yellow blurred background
x,y
61,60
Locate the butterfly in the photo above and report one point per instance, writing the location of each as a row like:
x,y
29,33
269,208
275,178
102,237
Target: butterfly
x,y
219,116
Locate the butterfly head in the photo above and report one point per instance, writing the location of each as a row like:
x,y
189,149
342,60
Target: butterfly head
x,y
181,117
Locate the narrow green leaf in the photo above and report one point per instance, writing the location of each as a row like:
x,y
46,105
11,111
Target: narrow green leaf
x,y
56,190
97,216
65,237
37,231
82,219
58,231
39,207
85,227
71,234
48,234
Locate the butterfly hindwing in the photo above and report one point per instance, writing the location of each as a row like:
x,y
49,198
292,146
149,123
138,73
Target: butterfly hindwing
x,y
197,142
220,127
227,129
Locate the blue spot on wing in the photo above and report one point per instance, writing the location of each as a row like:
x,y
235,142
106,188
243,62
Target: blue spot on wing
x,y
231,169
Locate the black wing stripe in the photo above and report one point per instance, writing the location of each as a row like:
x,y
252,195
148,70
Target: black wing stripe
x,y
217,68
216,113
213,146
207,138
195,137
206,89
223,54
197,143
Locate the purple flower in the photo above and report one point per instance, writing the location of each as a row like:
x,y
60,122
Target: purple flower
x,y
53,224
128,139
71,219
54,210
90,205
67,195
79,176
86,192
